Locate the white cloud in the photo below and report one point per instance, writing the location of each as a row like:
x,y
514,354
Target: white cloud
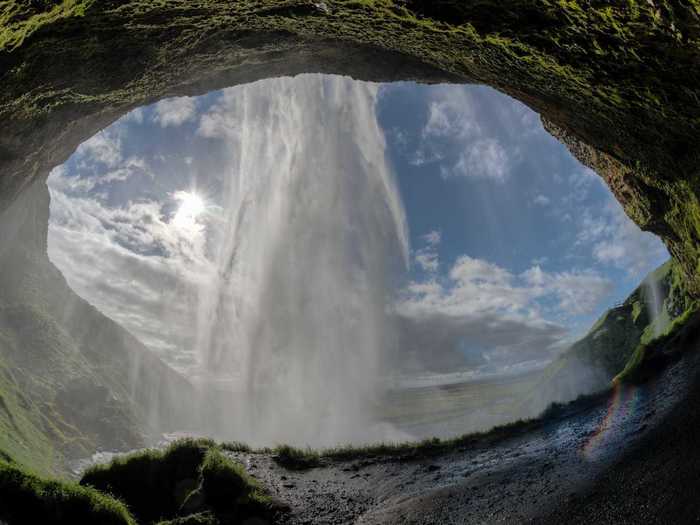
x,y
135,115
428,261
577,292
128,261
427,257
175,111
617,241
582,182
452,116
433,238
477,287
486,314
104,148
86,182
541,200
216,122
485,159
454,125
425,155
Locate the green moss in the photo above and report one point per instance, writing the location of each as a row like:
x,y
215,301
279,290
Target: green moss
x,y
154,483
18,20
637,309
621,76
616,336
26,498
229,489
25,434
659,349
191,481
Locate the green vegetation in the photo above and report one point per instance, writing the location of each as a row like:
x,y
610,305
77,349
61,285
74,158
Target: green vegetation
x,y
18,20
293,458
229,490
234,446
614,338
24,431
622,333
29,499
155,483
617,81
71,379
191,481
654,353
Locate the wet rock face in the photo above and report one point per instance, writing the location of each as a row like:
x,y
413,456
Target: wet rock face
x,y
618,84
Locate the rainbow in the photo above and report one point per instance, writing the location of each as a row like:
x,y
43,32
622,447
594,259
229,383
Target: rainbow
x,y
622,404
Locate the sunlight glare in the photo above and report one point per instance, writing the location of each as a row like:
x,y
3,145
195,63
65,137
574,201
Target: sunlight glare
x,y
191,208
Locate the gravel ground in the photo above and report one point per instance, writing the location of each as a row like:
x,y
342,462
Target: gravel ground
x,y
633,458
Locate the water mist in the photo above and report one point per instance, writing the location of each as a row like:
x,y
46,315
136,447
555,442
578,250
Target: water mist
x,y
293,317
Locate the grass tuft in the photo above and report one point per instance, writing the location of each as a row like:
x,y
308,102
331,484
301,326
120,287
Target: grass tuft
x,y
26,498
154,483
293,458
190,482
228,488
235,446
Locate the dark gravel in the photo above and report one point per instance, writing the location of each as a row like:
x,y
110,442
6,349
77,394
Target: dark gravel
x,y
634,458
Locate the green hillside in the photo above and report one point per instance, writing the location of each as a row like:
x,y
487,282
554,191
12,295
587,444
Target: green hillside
x,y
71,380
657,306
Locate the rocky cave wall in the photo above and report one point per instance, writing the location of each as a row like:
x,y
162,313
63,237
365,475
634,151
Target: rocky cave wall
x,y
617,82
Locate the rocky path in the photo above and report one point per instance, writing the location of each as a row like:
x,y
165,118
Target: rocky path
x,y
567,470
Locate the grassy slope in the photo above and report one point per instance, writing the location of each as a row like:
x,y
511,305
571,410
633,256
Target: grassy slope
x,y
612,344
71,380
28,499
22,432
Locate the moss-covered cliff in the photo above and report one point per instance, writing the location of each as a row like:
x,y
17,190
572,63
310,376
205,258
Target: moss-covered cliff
x,y
643,316
651,313
616,81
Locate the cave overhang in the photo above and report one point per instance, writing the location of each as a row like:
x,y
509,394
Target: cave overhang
x,y
618,84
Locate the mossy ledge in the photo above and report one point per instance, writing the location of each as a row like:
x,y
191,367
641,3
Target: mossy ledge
x,y
618,82
191,481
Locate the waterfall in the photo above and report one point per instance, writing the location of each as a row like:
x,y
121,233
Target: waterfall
x,y
655,301
311,226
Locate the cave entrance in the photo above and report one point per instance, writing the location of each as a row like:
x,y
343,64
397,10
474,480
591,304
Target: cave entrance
x,y
319,260
350,262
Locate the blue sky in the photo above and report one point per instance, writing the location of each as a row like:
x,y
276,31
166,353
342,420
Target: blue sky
x,y
478,168
515,248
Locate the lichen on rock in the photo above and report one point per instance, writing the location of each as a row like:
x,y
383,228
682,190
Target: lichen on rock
x,y
618,83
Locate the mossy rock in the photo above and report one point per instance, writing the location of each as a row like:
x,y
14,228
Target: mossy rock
x,y
617,82
191,481
28,499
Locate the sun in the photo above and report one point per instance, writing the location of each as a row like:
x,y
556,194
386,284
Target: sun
x,y
192,206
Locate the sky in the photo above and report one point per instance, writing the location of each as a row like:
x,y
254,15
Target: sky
x,y
506,248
